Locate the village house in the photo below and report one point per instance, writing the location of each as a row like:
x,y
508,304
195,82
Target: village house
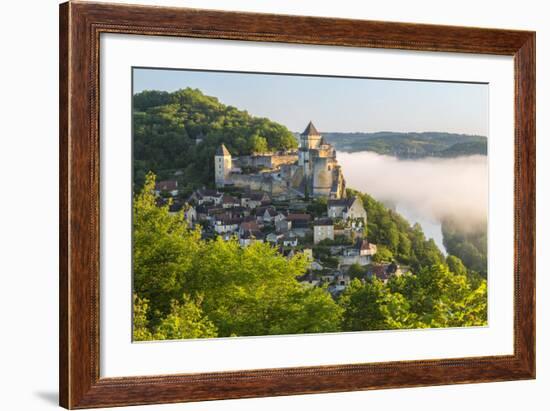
x,y
315,266
384,271
323,229
190,213
206,196
248,224
282,226
273,238
279,217
347,209
229,201
361,253
226,225
167,187
250,237
253,199
299,223
266,214
238,212
213,212
290,239
366,248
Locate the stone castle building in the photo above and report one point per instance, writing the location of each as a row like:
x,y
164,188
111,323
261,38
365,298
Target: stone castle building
x,y
323,176
223,165
311,171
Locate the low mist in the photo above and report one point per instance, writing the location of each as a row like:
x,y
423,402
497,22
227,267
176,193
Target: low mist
x,y
432,188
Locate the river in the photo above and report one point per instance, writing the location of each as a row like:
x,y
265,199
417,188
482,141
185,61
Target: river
x,y
423,190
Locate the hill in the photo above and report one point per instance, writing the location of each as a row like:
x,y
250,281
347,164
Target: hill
x,y
181,131
410,145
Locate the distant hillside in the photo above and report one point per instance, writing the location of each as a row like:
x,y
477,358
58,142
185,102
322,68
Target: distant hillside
x,y
409,145
182,130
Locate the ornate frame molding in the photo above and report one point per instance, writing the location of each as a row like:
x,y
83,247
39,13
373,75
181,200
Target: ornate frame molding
x,y
80,27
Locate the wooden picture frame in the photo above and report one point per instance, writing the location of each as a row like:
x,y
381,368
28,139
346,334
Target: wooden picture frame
x,y
80,27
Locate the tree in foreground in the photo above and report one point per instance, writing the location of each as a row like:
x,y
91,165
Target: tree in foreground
x,y
187,287
433,298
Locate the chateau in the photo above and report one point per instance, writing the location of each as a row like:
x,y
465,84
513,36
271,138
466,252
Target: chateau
x,y
311,171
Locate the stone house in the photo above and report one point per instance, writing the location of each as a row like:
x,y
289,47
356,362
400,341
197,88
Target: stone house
x,y
323,229
229,201
226,225
167,187
347,209
290,239
250,237
206,196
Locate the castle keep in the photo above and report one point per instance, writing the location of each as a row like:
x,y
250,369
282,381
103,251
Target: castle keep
x,y
311,171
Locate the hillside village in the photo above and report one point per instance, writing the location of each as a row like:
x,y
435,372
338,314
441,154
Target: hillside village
x,y
294,200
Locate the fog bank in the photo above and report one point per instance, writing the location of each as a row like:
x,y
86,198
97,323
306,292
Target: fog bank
x,y
432,188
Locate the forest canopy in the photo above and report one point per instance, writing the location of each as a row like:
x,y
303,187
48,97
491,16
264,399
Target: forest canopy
x,y
182,130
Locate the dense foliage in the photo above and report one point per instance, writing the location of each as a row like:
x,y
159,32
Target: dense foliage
x,y
410,145
467,242
433,298
183,129
396,238
188,287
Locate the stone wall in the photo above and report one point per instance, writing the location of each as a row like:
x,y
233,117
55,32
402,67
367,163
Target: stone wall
x,y
258,182
322,177
267,160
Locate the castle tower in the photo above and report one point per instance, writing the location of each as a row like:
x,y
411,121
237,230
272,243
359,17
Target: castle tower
x,y
222,166
322,177
310,138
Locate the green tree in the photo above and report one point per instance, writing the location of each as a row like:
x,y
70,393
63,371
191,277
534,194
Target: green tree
x,y
165,252
356,271
182,130
140,326
455,265
372,306
383,254
187,287
258,144
440,298
467,242
185,321
433,298
253,291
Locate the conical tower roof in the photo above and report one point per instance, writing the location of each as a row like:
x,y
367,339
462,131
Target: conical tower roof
x,y
310,130
222,151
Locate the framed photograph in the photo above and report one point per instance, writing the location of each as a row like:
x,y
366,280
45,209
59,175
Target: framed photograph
x,y
258,205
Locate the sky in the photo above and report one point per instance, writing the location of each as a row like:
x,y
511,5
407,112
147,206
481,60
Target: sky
x,y
337,104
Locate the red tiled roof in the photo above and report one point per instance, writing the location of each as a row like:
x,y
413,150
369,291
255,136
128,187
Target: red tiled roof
x,y
167,185
298,216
